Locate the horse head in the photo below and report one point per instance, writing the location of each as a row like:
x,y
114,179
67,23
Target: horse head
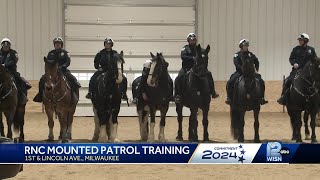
x,y
314,70
159,67
200,66
120,62
51,73
248,68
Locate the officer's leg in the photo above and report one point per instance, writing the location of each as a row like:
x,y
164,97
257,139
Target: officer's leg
x,y
38,97
263,89
73,82
230,86
21,88
170,91
211,85
91,83
124,87
285,90
179,85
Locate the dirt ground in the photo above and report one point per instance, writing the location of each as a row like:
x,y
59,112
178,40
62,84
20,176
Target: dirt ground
x,y
273,126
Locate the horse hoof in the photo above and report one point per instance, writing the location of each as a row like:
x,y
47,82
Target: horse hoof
x,y
299,141
293,138
179,138
116,140
314,141
16,140
307,137
95,138
206,140
257,141
102,140
240,140
64,140
50,140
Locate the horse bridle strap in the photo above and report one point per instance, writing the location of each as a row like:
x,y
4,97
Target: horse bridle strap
x,y
6,95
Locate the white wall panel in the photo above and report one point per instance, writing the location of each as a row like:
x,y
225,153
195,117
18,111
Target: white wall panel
x,y
272,26
31,25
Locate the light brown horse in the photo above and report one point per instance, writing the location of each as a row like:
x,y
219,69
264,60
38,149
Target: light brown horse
x,y
58,99
8,104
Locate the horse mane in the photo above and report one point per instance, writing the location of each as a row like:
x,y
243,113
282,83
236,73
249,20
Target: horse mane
x,y
248,68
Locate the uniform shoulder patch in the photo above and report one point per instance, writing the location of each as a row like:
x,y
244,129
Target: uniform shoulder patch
x,y
184,48
17,56
309,51
236,55
62,54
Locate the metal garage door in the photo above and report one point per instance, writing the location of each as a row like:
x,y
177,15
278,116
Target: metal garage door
x,y
138,27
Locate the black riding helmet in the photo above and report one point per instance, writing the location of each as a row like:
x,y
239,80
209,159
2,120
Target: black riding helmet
x,y
108,41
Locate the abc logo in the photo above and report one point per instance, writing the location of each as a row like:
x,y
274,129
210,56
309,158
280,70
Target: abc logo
x,y
284,151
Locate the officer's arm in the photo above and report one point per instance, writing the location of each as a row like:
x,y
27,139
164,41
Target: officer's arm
x,y
68,60
185,57
292,58
97,61
236,61
12,60
256,62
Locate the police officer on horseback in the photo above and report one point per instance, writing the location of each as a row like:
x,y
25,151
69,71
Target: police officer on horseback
x,y
62,57
299,57
238,59
188,55
9,58
101,64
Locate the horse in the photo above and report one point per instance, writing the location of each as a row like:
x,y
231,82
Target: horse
x,y
304,96
155,98
11,108
58,98
106,101
247,96
196,96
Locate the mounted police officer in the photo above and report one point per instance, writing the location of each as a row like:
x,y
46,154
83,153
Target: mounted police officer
x,y
62,57
101,64
243,54
9,58
188,56
299,57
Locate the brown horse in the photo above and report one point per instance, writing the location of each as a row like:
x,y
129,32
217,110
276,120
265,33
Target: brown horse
x,y
58,99
8,104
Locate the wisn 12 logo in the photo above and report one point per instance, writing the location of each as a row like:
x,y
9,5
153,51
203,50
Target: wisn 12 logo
x,y
275,152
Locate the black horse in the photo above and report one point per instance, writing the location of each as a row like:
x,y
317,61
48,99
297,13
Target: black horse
x,y
304,96
106,100
196,95
12,108
247,96
156,97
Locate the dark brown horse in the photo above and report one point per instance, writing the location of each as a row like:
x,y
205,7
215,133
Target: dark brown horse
x,y
8,105
58,98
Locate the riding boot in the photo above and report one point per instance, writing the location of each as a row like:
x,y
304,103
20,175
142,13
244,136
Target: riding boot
x,y
229,93
214,93
284,95
89,95
263,88
38,97
22,98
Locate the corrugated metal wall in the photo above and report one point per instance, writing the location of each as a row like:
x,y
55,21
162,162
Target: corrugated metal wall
x,y
31,25
272,26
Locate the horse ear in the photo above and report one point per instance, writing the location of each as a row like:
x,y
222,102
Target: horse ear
x,y
152,55
121,54
208,49
199,48
44,58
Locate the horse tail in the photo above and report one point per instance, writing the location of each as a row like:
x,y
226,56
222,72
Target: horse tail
x,y
234,123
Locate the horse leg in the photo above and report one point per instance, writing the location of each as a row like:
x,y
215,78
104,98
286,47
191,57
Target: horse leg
x,y
62,116
152,124
19,120
49,113
306,128
256,126
194,122
14,127
114,129
241,126
293,124
313,128
96,126
298,127
103,117
1,126
9,118
205,124
190,128
163,112
69,129
179,108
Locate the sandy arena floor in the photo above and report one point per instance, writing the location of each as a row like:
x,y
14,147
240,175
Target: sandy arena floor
x,y
273,126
